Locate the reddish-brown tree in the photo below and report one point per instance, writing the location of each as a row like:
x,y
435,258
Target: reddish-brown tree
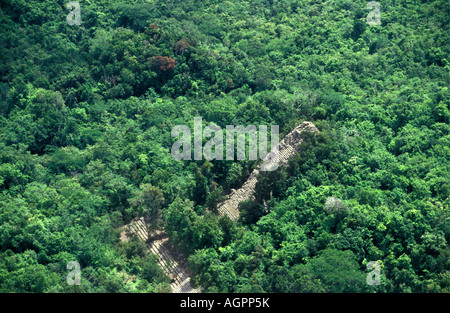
x,y
163,64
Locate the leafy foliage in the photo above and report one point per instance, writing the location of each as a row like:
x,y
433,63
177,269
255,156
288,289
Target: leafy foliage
x,y
86,114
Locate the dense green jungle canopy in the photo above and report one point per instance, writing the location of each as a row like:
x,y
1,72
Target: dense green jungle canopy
x,y
86,113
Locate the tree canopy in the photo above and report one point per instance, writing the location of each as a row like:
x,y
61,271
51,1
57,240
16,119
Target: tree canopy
x,y
86,113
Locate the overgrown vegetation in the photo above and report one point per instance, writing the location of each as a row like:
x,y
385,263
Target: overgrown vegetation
x,y
86,114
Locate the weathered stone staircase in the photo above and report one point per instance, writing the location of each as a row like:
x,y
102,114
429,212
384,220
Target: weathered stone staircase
x,y
175,269
286,149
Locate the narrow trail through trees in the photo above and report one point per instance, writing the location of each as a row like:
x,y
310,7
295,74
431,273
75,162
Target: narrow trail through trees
x,y
176,267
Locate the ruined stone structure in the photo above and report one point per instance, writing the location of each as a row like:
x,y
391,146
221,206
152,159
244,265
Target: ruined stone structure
x,y
176,268
286,149
173,267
